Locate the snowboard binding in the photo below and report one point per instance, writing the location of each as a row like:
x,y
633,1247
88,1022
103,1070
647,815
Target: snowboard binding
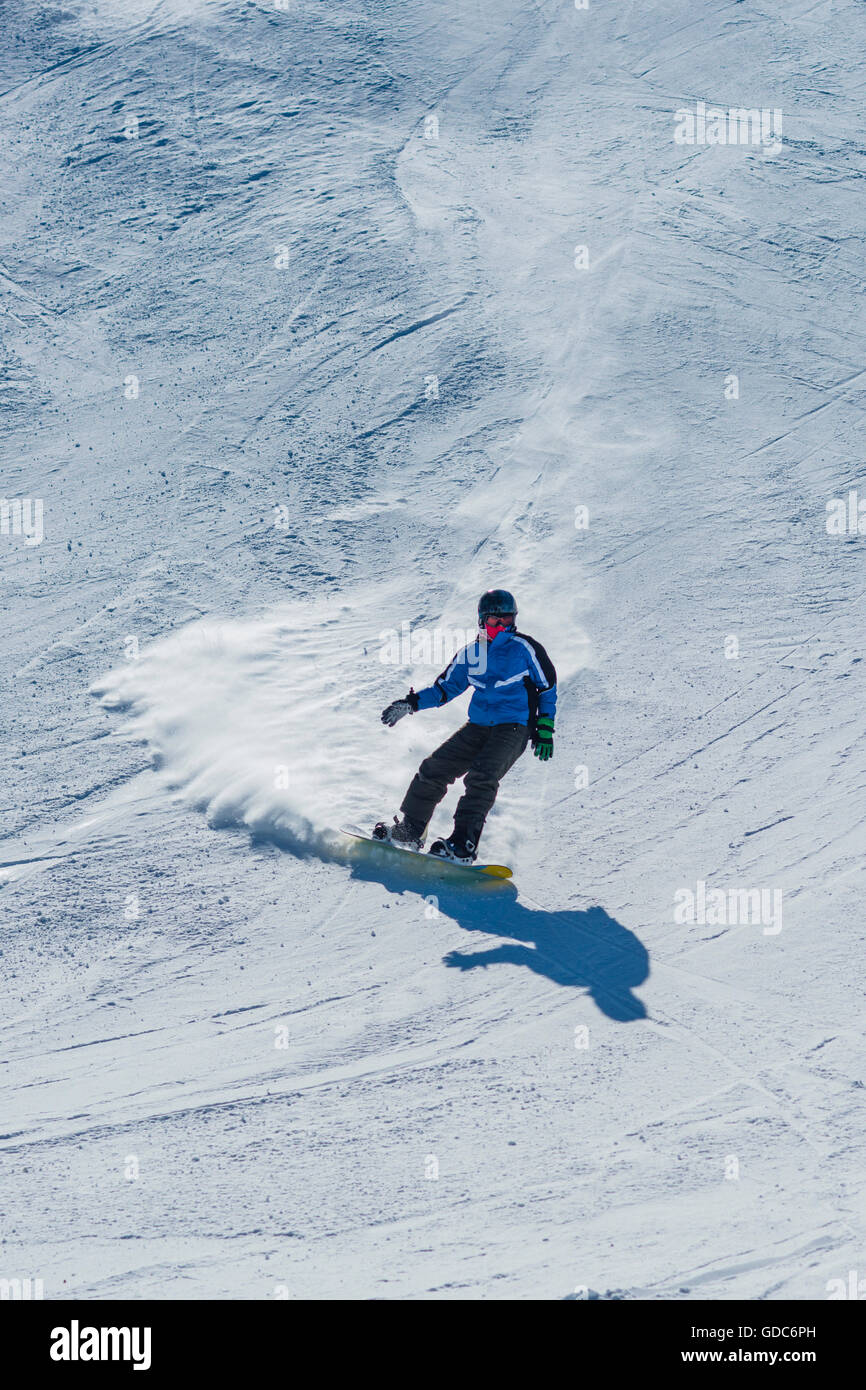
x,y
459,849
405,834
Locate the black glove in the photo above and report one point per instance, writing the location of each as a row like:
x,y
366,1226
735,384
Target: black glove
x,y
397,708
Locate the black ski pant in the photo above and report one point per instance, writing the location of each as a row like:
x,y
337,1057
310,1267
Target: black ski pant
x,y
480,753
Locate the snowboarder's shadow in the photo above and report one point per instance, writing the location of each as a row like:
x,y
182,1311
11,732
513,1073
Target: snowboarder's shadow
x,y
580,949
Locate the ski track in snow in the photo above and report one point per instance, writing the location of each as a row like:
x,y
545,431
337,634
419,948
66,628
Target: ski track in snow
x,y
199,973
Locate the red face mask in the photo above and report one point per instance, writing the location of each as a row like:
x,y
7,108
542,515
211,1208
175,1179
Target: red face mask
x,y
495,626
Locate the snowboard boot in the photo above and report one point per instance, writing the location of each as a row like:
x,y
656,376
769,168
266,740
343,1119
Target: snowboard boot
x,y
406,834
459,848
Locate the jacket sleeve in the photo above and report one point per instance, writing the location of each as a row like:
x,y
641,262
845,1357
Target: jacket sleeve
x,y
543,673
453,681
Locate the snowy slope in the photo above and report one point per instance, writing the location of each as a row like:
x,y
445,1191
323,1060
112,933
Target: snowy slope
x,y
295,351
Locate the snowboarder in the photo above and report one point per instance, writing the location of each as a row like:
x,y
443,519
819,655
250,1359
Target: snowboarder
x,y
513,702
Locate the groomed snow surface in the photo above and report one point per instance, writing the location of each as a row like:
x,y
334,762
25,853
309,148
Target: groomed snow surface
x,y
300,346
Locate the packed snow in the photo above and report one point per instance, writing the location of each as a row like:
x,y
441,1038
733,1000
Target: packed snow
x,y
318,321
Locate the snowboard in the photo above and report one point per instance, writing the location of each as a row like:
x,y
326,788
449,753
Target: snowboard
x,y
432,860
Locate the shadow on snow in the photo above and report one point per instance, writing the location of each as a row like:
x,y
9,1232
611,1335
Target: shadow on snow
x,y
579,949
584,949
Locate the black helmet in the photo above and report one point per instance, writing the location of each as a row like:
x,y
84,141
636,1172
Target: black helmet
x,y
496,603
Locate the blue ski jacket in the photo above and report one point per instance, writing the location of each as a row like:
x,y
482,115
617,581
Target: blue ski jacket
x,y
512,678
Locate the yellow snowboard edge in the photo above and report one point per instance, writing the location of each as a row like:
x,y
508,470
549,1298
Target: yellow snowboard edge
x,y
430,861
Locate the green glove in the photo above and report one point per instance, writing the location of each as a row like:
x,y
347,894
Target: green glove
x,y
543,744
